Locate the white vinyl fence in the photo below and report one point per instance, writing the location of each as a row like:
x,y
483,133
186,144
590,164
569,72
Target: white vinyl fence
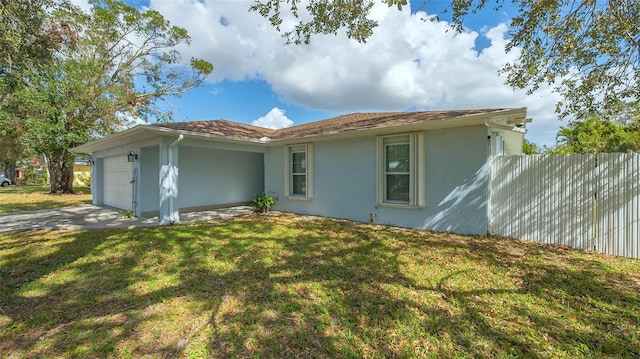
x,y
580,201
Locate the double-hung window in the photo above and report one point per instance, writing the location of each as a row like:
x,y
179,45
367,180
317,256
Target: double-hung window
x,y
401,170
299,182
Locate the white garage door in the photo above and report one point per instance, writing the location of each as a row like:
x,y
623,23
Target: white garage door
x,y
117,182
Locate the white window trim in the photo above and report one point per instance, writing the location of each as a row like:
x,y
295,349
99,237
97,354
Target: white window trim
x,y
308,149
416,174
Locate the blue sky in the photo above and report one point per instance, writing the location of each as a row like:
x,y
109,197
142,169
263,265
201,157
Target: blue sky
x,y
408,64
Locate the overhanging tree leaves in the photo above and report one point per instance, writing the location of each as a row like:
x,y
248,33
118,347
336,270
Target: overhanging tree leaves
x,y
28,39
123,63
588,50
326,17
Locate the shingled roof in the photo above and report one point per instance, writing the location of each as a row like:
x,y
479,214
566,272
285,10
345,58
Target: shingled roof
x,y
340,124
221,128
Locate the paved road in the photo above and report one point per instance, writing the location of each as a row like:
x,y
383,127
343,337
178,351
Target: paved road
x,y
96,217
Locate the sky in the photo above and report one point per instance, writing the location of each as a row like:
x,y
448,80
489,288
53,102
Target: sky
x,y
409,64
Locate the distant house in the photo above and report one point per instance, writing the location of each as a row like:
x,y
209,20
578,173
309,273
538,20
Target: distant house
x,y
411,169
23,168
81,172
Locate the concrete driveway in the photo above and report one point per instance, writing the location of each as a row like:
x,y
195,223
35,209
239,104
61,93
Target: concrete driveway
x,y
96,217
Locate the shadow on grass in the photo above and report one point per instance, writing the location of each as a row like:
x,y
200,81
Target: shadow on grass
x,y
28,198
286,287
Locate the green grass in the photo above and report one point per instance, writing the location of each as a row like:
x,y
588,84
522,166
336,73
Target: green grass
x,y
293,286
27,198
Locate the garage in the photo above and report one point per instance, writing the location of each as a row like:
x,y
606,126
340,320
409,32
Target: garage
x,y
117,182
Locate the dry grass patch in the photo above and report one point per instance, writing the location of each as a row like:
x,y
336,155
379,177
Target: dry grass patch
x,y
27,198
294,286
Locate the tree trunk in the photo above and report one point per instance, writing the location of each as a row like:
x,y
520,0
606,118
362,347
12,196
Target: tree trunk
x,y
61,173
10,171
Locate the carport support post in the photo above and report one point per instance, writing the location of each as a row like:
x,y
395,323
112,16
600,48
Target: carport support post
x,y
169,181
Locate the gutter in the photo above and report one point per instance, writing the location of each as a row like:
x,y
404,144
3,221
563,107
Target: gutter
x,y
170,174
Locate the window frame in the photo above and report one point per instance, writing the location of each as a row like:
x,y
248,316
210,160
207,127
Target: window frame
x,y
416,170
307,149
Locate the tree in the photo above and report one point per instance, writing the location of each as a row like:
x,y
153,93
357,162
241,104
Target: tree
x,y
27,39
530,148
121,64
597,136
11,145
589,50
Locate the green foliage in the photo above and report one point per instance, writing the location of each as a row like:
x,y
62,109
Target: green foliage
x,y
530,148
34,176
596,136
262,202
398,3
587,50
27,40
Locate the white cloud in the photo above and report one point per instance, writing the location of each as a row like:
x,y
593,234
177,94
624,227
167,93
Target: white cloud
x,y
408,63
274,120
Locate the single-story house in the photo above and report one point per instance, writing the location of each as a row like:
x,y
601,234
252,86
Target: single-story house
x,y
424,170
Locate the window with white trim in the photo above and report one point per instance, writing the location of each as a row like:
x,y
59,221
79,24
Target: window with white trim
x,y
298,183
401,170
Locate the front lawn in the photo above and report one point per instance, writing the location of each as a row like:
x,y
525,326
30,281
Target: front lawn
x,y
287,286
27,198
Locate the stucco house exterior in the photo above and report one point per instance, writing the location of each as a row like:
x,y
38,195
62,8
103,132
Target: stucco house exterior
x,y
425,170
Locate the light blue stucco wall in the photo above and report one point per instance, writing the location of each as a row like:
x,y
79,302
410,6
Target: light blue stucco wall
x,y
97,185
345,182
149,183
211,177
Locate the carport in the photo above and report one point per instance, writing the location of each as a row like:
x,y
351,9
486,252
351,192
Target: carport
x,y
158,171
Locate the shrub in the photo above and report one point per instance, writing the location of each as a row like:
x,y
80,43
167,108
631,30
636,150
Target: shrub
x,y
262,202
35,176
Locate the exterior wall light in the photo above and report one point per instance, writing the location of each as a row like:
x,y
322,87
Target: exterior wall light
x,y
132,157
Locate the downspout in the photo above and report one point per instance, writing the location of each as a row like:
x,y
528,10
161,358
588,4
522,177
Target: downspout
x,y
170,174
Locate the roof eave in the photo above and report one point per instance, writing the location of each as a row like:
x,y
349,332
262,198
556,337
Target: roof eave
x,y
517,115
141,132
100,144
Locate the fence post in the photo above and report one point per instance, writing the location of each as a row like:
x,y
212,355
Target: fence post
x,y
489,194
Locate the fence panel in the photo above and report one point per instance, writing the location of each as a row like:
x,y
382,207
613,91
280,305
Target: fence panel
x,y
542,198
568,200
618,204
